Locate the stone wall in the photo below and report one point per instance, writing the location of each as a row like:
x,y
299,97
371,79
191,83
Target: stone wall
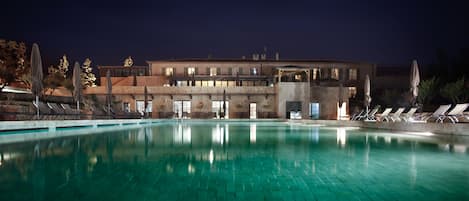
x,y
293,91
328,97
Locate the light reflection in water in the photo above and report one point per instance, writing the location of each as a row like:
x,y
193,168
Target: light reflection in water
x,y
217,134
387,139
252,133
341,136
210,156
182,134
145,133
314,134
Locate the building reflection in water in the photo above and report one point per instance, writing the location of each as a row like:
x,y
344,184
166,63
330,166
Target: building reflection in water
x,y
220,134
341,136
182,134
252,133
314,134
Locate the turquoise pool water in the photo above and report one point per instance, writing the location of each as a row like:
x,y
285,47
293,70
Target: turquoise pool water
x,y
236,161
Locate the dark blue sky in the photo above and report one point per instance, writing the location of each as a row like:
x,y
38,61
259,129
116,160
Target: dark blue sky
x,y
383,32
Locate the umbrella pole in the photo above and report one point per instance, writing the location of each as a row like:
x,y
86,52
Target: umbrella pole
x,y
78,108
37,108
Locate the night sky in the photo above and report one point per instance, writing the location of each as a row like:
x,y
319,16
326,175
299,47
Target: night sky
x,y
385,32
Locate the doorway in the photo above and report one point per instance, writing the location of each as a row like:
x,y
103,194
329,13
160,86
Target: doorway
x,y
253,110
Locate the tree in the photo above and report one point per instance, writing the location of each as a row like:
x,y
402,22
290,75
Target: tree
x,y
87,77
57,75
456,91
12,62
427,90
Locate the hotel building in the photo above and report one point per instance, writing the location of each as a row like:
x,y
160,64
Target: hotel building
x,y
257,88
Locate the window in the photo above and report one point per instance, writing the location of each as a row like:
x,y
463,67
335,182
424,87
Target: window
x,y
352,74
217,109
191,71
209,83
254,71
182,109
140,106
298,77
252,110
168,71
316,73
335,74
213,71
126,107
352,92
325,73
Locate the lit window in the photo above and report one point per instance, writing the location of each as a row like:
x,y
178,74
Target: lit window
x,y
191,71
253,71
352,74
169,71
352,92
316,73
297,77
335,74
213,71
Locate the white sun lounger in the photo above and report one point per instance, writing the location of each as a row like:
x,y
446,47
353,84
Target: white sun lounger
x,y
438,113
384,115
454,114
394,117
408,116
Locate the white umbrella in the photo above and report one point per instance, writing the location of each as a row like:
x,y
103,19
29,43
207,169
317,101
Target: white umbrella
x,y
367,92
414,80
36,72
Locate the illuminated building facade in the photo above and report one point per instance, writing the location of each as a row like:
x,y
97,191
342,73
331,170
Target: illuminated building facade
x,y
229,88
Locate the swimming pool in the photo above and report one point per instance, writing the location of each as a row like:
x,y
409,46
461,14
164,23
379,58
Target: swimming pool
x,y
217,160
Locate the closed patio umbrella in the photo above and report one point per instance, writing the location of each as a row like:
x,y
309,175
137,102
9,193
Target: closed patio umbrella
x,y
145,94
224,103
341,101
76,79
109,91
414,81
367,93
36,73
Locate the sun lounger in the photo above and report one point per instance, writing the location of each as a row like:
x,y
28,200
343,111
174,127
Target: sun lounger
x,y
358,115
370,116
384,115
437,114
454,114
408,116
58,110
395,117
69,110
43,108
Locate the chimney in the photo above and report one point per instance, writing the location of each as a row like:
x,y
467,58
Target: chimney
x,y
277,56
255,57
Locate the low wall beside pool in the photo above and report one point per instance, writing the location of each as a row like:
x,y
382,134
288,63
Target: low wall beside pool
x,y
437,128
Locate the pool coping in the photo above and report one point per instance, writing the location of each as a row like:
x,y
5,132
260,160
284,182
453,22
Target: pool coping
x,y
52,125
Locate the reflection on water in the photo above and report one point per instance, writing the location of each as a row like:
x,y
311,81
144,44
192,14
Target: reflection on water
x,y
234,157
252,133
